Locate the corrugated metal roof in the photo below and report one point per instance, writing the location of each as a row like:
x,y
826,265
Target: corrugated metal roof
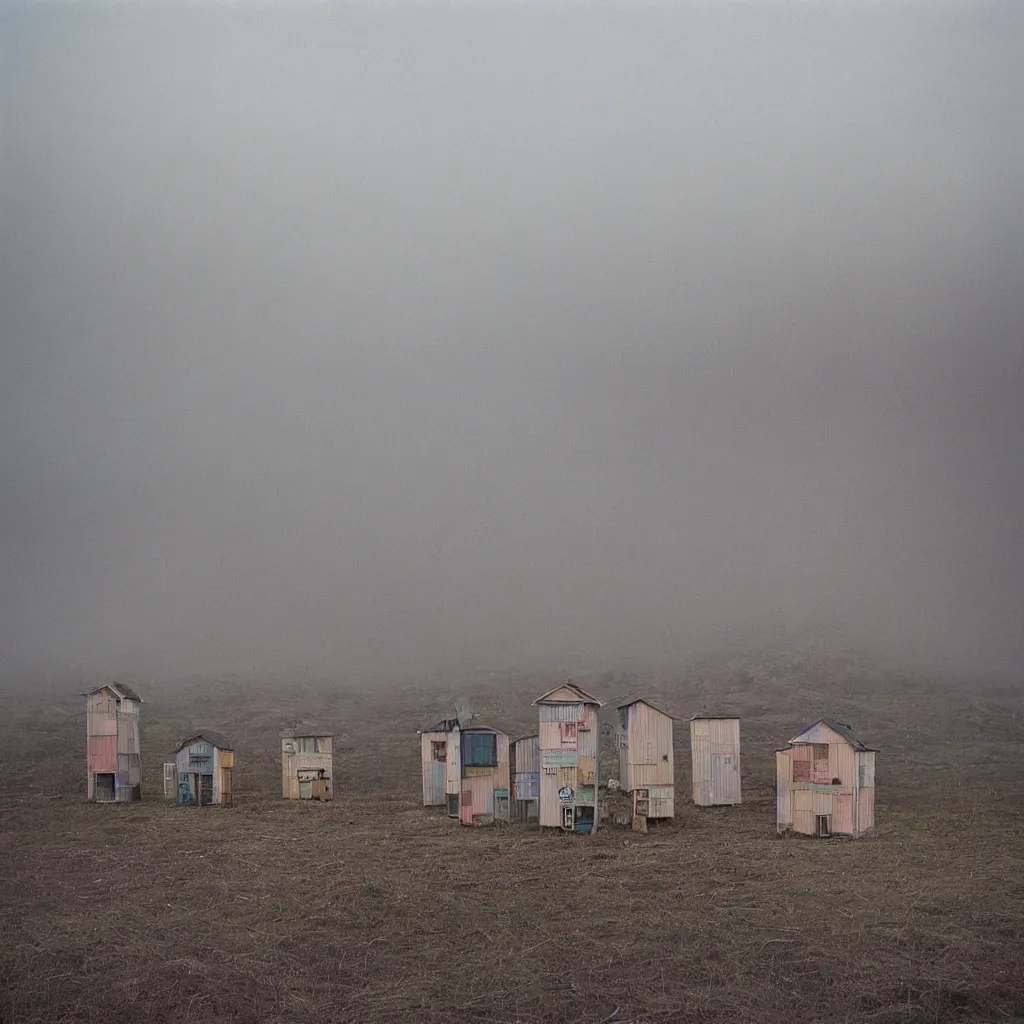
x,y
581,696
218,739
121,689
304,731
643,700
445,725
713,718
844,730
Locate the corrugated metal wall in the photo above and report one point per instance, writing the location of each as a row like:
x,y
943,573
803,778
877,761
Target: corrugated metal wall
x,y
798,803
783,793
569,738
113,745
293,761
647,759
434,772
715,755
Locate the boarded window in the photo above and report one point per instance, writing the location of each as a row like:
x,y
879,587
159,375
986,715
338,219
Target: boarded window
x,y
479,749
439,751
801,771
820,771
568,735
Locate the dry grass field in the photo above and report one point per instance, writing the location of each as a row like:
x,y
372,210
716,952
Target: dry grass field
x,y
372,909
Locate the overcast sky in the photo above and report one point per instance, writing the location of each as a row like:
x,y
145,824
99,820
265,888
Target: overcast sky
x,y
338,339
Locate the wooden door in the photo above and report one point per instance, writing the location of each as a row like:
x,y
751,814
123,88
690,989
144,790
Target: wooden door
x,y
226,797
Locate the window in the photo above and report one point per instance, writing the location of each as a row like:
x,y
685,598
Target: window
x,y
801,771
823,824
820,771
439,751
313,745
568,735
479,749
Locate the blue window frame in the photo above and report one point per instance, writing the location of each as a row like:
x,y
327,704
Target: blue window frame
x,y
479,749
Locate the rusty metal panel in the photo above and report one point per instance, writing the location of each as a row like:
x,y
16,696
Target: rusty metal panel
x,y
103,753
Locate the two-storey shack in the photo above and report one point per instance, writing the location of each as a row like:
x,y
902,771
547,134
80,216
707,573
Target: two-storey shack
x,y
307,764
114,753
646,761
477,775
569,737
715,755
825,782
203,767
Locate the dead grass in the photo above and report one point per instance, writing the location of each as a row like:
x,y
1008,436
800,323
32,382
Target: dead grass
x,y
374,909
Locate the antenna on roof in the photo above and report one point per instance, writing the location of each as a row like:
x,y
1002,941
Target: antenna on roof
x,y
464,714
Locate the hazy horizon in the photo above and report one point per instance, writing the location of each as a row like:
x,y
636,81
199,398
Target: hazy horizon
x,y
341,339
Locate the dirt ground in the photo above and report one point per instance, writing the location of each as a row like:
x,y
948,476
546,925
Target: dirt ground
x,y
374,909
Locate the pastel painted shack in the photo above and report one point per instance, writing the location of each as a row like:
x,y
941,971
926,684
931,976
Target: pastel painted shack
x,y
307,764
646,762
203,768
569,736
825,782
715,753
477,775
434,759
114,755
525,759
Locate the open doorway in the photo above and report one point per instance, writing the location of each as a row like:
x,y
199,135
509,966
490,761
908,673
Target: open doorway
x,y
104,786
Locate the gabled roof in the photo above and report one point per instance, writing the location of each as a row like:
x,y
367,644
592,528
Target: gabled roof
x,y
643,700
577,696
841,728
217,739
715,718
122,690
305,731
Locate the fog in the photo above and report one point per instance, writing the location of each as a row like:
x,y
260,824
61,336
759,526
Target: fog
x,y
355,339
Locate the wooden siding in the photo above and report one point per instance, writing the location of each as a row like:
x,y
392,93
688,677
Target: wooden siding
x,y
715,756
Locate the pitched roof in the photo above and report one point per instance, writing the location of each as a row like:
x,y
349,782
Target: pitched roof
x,y
121,689
841,728
714,718
643,700
217,739
580,696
